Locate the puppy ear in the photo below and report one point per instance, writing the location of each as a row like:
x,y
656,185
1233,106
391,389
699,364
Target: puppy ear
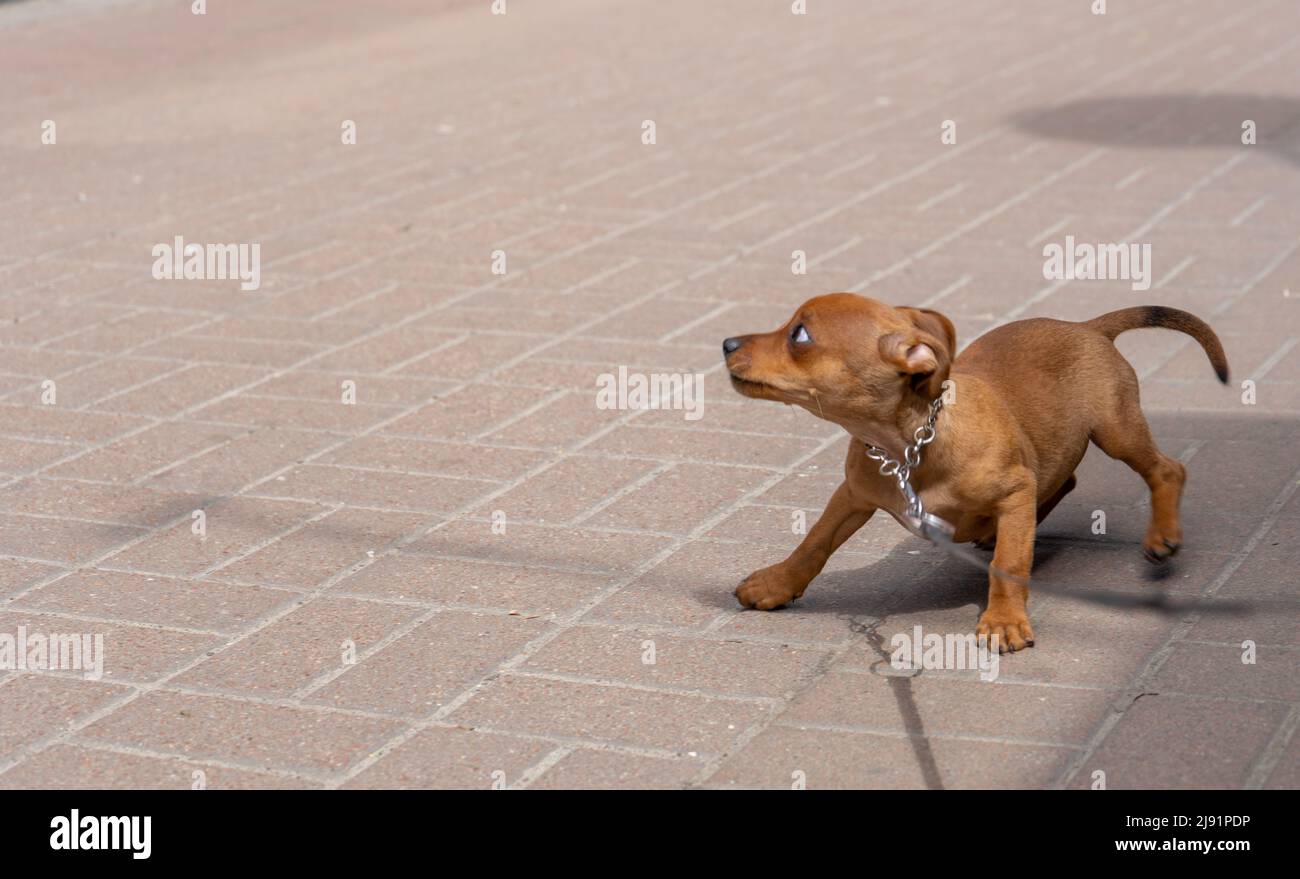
x,y
924,353
934,323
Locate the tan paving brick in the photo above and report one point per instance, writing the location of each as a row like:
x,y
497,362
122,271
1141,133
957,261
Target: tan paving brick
x,y
156,600
425,668
466,412
444,758
680,499
179,391
1173,742
259,411
452,459
53,423
530,544
529,591
1217,670
132,653
616,715
20,457
950,703
370,488
230,529
140,455
114,503
248,457
60,541
780,757
75,767
18,576
322,549
323,636
569,490
37,706
657,659
670,444
253,733
589,769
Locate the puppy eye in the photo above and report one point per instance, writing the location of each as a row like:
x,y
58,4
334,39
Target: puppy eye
x,y
800,336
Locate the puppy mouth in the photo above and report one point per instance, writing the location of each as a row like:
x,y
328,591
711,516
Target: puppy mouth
x,y
759,390
751,388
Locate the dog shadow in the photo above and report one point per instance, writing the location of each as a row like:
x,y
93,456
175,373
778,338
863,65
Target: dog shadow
x,y
915,578
1178,121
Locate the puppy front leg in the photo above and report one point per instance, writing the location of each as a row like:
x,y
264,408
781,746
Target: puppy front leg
x,y
782,583
1006,618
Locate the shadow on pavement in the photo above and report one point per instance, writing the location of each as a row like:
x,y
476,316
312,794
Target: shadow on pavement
x,y
1178,121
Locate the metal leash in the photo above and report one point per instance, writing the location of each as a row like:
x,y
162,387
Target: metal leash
x,y
940,533
919,522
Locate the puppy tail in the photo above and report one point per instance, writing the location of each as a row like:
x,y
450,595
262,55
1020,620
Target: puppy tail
x,y
1112,324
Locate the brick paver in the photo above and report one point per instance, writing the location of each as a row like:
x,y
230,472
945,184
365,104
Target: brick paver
x,y
471,575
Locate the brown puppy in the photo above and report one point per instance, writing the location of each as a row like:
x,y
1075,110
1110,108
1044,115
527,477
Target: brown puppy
x,y
1021,404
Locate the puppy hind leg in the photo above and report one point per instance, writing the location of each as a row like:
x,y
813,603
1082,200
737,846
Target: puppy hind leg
x,y
1127,438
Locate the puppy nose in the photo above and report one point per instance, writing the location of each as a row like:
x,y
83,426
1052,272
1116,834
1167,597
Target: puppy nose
x,y
729,345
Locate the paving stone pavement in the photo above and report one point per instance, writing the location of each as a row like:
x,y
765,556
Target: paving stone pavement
x,y
459,579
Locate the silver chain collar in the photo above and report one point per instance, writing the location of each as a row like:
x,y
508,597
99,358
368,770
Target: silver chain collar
x,y
917,518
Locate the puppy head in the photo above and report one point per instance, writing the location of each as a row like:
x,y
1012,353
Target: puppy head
x,y
845,357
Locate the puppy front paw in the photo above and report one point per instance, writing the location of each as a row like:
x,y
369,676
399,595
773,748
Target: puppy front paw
x,y
1009,629
769,588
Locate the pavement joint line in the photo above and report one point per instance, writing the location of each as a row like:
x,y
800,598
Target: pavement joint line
x,y
1274,359
708,315
578,613
651,187
110,621
849,166
1175,272
519,415
410,410
935,298
933,200
835,251
1131,179
742,215
178,369
273,539
579,453
1232,299
955,678
612,746
373,295
1141,680
421,533
212,762
629,263
145,478
980,220
618,494
538,769
827,661
660,689
329,675
1250,211
929,735
1274,752
980,139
